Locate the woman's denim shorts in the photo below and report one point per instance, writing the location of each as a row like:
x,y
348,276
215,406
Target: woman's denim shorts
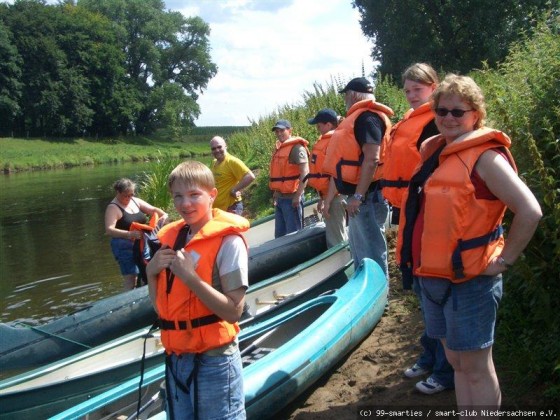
x,y
465,313
122,250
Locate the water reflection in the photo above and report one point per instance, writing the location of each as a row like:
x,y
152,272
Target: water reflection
x,y
54,256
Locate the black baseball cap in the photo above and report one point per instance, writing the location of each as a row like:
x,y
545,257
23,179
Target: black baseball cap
x,y
324,116
282,124
358,84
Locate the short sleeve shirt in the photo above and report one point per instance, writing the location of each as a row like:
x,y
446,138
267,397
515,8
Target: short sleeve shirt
x,y
227,175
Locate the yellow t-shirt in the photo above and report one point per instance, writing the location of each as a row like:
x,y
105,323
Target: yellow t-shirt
x,y
227,174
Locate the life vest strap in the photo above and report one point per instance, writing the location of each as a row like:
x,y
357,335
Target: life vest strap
x,y
464,245
395,184
190,324
315,175
284,178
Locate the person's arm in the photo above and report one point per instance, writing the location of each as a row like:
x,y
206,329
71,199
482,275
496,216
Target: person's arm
x,y
247,179
303,171
147,208
369,166
112,215
503,182
331,193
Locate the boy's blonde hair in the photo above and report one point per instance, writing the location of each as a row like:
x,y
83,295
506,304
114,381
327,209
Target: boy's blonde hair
x,y
465,88
192,173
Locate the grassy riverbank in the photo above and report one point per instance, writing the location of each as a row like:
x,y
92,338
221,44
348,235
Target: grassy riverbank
x,y
34,154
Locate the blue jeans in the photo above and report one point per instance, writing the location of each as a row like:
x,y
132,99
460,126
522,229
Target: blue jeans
x,y
216,388
287,219
366,231
465,313
433,357
236,208
123,252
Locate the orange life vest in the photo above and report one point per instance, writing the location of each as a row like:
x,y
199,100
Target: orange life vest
x,y
344,155
284,176
316,178
142,227
192,327
402,155
461,233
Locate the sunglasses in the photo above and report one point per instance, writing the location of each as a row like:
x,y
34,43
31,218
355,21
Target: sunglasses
x,y
457,113
216,148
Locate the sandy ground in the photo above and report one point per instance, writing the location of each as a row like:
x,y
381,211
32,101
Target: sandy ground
x,y
372,377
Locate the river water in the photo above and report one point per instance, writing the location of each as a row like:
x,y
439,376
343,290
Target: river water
x,y
54,256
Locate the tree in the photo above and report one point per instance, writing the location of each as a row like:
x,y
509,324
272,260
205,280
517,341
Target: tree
x,y
451,35
10,80
161,48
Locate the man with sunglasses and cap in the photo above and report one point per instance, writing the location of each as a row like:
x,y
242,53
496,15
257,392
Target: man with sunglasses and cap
x,y
289,167
354,160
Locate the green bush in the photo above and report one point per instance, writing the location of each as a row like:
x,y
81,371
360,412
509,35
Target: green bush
x,y
523,98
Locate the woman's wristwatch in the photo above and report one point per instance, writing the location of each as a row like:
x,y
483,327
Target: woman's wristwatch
x,y
503,262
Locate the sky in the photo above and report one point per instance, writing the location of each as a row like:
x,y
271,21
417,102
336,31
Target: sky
x,y
269,52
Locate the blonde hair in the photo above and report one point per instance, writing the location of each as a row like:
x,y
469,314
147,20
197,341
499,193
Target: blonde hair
x,y
420,73
192,173
465,88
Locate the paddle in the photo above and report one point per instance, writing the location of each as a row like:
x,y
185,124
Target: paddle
x,y
53,335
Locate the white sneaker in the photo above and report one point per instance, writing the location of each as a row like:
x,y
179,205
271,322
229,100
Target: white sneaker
x,y
415,371
429,386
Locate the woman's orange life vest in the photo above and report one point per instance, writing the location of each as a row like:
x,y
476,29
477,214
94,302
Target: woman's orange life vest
x,y
344,154
401,153
177,305
284,176
461,233
142,227
316,178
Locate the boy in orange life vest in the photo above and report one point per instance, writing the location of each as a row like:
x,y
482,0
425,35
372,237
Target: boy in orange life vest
x,y
289,167
197,283
326,121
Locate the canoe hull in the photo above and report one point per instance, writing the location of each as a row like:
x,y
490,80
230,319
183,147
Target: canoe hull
x,y
112,317
68,382
304,343
290,370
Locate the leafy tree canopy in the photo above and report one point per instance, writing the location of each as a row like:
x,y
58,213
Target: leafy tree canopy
x,y
451,35
101,67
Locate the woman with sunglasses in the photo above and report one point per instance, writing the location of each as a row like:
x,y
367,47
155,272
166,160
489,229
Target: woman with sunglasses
x,y
402,155
121,212
451,236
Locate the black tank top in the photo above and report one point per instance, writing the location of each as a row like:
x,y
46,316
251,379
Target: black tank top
x,y
127,218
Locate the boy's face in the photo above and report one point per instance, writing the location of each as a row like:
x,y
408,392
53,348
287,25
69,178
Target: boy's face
x,y
193,203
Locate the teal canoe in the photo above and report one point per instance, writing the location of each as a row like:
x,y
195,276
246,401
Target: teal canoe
x,y
282,356
61,384
27,346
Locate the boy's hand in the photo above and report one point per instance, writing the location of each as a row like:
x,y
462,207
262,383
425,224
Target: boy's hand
x,y
161,260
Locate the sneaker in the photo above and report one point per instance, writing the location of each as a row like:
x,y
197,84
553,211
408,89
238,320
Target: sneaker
x,y
429,386
415,371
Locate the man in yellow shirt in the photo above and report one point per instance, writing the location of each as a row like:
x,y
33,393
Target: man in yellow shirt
x,y
231,176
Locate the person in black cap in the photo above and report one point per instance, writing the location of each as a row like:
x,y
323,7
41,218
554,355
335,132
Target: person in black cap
x,y
289,167
354,160
326,121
